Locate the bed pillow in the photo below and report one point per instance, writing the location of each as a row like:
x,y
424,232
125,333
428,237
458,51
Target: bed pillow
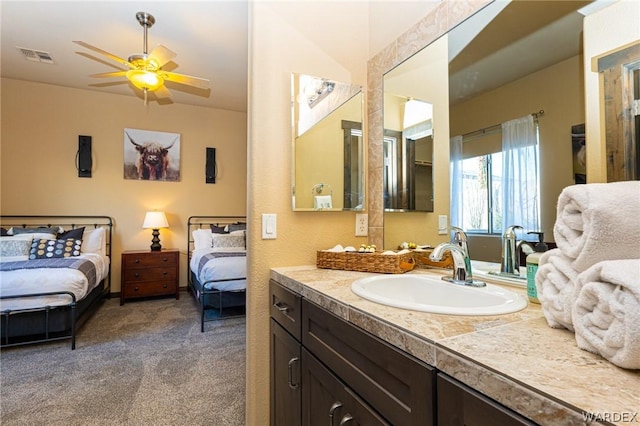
x,y
3,232
228,241
202,238
94,241
12,249
35,230
238,226
218,229
31,236
49,249
75,233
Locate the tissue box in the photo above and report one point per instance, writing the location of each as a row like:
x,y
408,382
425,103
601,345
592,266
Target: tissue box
x,y
365,262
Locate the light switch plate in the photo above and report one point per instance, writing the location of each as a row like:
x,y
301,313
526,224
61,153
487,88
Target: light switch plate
x,y
269,221
442,224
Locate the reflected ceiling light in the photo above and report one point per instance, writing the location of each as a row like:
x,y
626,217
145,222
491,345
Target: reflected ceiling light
x,y
416,112
317,90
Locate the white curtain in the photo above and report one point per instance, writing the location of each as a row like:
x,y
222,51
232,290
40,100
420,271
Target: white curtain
x,y
457,199
520,203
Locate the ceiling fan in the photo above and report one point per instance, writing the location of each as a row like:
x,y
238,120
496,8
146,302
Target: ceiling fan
x,y
144,70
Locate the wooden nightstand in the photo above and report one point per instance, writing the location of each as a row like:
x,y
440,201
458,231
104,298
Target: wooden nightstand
x,y
149,273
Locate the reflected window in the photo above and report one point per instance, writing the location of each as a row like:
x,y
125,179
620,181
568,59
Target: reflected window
x,y
482,192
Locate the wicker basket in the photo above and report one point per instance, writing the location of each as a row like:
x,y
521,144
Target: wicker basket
x,y
422,260
366,262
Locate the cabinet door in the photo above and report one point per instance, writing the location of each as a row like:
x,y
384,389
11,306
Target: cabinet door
x,y
285,378
459,404
327,401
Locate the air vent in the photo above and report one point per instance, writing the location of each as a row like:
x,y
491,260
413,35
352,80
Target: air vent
x,y
35,55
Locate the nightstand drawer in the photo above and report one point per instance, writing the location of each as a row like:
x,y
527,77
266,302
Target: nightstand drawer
x,y
149,260
150,274
146,289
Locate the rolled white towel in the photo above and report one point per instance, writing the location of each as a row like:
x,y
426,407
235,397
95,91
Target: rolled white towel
x,y
606,314
598,221
555,283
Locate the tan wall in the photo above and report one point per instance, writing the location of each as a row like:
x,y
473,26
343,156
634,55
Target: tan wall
x,y
280,43
558,90
40,128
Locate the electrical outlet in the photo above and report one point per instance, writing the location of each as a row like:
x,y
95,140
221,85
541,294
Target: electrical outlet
x,y
362,225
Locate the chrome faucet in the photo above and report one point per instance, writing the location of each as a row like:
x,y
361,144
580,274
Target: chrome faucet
x,y
460,238
461,264
510,262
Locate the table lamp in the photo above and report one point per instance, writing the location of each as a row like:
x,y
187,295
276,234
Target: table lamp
x,y
155,220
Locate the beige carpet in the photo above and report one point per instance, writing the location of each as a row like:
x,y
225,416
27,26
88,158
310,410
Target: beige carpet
x,y
144,363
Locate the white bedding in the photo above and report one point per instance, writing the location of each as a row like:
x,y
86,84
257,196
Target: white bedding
x,y
29,281
220,268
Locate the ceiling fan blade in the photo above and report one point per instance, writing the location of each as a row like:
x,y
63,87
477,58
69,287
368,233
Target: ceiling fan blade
x,y
161,55
110,74
105,53
162,92
201,83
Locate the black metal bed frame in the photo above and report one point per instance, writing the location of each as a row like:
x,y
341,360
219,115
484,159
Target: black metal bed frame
x,y
199,291
76,317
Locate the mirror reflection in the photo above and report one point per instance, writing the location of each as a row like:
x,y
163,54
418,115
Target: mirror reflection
x,y
408,154
500,69
328,146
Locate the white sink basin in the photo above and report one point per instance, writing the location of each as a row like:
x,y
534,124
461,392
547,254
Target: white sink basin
x,y
491,271
432,294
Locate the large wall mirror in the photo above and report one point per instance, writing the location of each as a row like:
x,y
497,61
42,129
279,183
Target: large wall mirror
x,y
328,145
499,66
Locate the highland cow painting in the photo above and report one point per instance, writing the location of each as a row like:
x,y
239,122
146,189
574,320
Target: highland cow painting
x,y
150,155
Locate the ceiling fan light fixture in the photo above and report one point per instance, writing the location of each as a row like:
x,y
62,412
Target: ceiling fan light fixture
x,y
143,79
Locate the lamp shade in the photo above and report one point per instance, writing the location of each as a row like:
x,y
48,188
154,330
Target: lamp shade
x,y
155,220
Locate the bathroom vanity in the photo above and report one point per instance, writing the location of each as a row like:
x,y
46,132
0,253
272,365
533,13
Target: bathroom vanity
x,y
338,358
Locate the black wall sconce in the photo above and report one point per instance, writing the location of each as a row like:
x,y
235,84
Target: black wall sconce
x,y
211,168
84,163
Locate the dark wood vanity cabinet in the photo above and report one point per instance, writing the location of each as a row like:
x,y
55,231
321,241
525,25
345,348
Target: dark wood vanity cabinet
x,y
327,400
325,370
285,359
460,405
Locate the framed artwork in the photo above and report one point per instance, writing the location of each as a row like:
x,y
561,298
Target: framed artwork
x,y
150,155
579,149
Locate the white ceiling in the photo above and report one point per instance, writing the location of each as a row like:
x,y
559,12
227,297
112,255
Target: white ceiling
x,y
209,37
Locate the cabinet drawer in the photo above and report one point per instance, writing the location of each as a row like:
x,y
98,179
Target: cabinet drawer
x,y
459,405
326,399
285,308
146,289
150,274
149,259
400,387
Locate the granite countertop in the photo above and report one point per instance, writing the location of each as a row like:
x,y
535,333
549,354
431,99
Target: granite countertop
x,y
516,359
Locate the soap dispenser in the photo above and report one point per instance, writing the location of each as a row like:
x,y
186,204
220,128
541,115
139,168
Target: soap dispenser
x,y
532,266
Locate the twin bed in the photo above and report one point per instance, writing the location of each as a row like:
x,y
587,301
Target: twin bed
x,y
217,258
54,272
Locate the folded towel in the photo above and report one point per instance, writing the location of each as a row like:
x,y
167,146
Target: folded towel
x,y
322,202
606,314
598,221
555,282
